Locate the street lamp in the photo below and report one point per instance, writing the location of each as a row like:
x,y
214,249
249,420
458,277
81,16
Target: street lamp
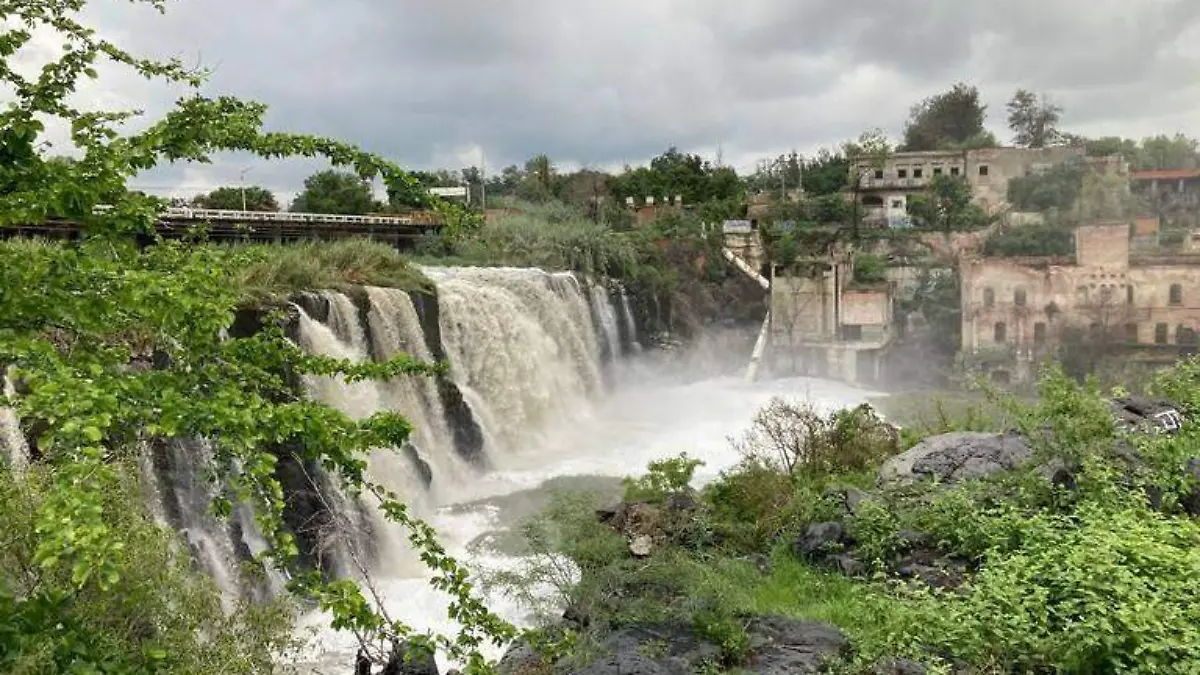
x,y
242,181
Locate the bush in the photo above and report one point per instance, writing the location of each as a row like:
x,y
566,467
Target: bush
x,y
266,271
870,269
664,477
791,439
1030,240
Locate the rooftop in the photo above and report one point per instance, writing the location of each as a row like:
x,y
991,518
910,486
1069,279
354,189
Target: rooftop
x,y
1166,174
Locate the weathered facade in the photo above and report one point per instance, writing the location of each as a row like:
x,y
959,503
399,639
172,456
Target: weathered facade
x,y
1016,311
883,191
1173,196
822,323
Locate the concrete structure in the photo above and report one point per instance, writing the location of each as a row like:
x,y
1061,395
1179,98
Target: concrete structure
x,y
1172,195
884,191
822,323
741,238
1015,311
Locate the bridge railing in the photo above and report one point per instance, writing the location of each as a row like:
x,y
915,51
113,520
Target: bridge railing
x,y
186,213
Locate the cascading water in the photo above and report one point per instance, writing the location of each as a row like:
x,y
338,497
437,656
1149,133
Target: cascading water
x,y
521,344
13,448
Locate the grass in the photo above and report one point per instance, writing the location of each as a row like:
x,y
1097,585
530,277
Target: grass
x,y
271,271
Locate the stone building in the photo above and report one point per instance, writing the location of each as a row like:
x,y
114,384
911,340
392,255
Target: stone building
x,y
1016,311
825,324
883,191
1172,196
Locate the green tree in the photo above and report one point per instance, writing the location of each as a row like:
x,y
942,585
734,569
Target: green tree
x,y
336,192
827,173
951,117
79,337
1057,188
249,198
946,206
1034,122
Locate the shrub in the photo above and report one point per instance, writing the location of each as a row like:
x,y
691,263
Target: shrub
x,y
790,439
664,477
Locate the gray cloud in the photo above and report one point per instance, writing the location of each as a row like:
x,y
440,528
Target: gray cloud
x,y
429,82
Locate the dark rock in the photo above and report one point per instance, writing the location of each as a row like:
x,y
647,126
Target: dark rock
x,y
956,457
1139,413
819,540
362,664
519,659
848,565
684,500
899,667
410,659
658,649
783,646
847,498
911,539
573,617
932,568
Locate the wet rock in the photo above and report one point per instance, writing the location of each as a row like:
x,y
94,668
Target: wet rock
x,y
848,565
819,540
956,457
1140,413
658,649
684,500
933,569
783,646
409,659
912,539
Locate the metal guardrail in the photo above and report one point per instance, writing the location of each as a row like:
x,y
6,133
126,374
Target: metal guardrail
x,y
185,213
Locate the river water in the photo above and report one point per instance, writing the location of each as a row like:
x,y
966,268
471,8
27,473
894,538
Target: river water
x,y
648,416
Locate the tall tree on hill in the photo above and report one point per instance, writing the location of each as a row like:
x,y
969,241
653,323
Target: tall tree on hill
x,y
953,118
825,174
1034,121
336,192
252,197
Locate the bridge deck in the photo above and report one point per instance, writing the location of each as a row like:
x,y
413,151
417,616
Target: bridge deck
x,y
398,234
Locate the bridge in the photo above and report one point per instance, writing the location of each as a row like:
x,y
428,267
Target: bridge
x,y
257,226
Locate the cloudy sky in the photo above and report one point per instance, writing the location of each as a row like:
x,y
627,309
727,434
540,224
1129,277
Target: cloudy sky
x,y
440,83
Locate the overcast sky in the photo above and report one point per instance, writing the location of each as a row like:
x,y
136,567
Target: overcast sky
x,y
440,83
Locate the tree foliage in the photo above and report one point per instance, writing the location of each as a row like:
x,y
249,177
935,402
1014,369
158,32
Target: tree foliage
x,y
1030,240
674,173
90,313
951,118
340,192
946,206
1057,188
1034,122
249,198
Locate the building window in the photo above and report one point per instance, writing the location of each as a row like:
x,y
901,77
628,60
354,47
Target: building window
x,y
1160,334
983,170
1095,332
1131,333
1039,333
1001,377
937,170
999,332
1019,297
902,173
1185,335
989,298
1176,297
954,171
897,203
878,174
918,173
1129,294
852,332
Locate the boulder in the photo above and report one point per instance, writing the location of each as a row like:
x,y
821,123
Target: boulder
x,y
1139,413
408,659
819,540
520,659
847,499
956,457
641,546
652,649
783,646
899,667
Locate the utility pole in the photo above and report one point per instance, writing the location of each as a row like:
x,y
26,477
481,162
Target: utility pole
x,y
482,180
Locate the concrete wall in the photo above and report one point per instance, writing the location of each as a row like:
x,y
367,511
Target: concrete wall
x,y
988,170
866,307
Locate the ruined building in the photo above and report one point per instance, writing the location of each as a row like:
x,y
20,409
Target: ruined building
x,y
883,191
1172,196
1140,308
825,323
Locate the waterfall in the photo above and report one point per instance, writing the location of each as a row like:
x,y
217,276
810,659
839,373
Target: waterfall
x,y
605,317
13,448
522,346
627,322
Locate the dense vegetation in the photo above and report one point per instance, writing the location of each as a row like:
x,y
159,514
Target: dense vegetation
x,y
1090,574
112,347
